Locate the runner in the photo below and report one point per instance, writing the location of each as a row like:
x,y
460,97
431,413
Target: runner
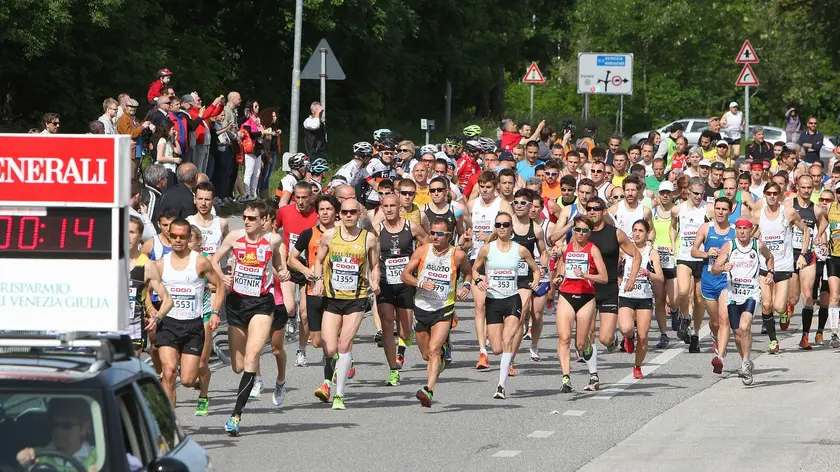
x,y
775,222
278,332
341,273
528,234
665,289
397,239
293,220
739,261
155,249
802,281
297,173
686,219
500,258
453,213
484,211
603,186
142,278
711,236
257,255
545,292
434,299
180,333
630,210
822,248
636,305
582,266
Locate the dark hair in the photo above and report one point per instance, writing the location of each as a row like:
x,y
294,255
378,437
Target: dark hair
x,y
586,181
581,218
69,407
523,123
636,168
779,143
620,152
387,184
440,180
179,222
207,187
488,176
49,118
552,164
598,200
441,160
785,154
260,206
568,180
137,221
407,183
265,118
598,152
531,144
524,192
96,127
634,147
644,224
546,133
708,134
632,179
782,173
724,200
439,221
507,173
772,184
162,131
136,187
745,176
557,146
327,198
168,213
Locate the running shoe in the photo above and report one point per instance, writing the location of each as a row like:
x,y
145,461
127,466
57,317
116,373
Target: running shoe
x,y
338,403
804,344
818,339
629,345
425,397
694,347
682,332
535,355
550,304
400,361
574,354
232,426
764,326
566,386
637,373
784,319
483,362
511,372
717,365
454,323
675,321
527,335
323,392
614,344
393,379
835,341
663,341
352,372
714,342
203,406
447,354
279,393
748,372
773,348
500,393
300,358
594,383
410,340
256,390
377,338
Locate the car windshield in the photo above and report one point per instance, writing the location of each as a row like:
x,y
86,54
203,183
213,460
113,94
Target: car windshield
x,y
64,432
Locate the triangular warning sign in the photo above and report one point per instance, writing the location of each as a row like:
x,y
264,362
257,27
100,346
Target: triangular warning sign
x,y
747,54
747,77
533,75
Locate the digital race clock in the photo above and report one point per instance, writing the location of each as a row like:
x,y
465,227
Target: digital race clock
x,y
61,233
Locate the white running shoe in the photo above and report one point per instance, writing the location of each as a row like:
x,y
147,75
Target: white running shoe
x,y
256,390
300,358
279,393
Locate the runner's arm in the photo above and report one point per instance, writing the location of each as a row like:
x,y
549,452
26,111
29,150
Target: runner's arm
x,y
674,229
768,257
657,275
722,258
424,222
372,246
822,224
295,262
206,269
538,232
631,250
562,226
318,268
154,282
601,277
464,266
479,263
648,216
526,256
148,247
407,275
221,253
419,233
700,239
796,220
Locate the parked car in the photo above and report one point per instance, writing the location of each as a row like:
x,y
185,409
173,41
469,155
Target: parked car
x,y
692,126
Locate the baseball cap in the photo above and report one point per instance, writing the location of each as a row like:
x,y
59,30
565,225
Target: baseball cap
x,y
722,143
666,187
733,104
718,166
188,98
705,163
506,156
132,103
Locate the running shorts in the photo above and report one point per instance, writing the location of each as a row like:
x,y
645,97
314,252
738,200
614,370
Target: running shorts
x,y
695,266
497,309
281,317
400,295
577,300
777,276
345,307
833,266
606,297
735,311
712,291
314,312
297,277
635,303
241,308
669,274
424,320
187,336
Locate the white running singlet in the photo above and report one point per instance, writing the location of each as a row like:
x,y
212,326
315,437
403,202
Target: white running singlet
x,y
690,221
777,237
624,217
742,279
185,287
483,219
211,236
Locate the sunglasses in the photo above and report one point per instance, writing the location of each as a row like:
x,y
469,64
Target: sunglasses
x,y
697,193
385,193
595,171
182,237
405,150
428,160
771,194
349,212
56,123
506,224
594,208
388,153
552,174
567,189
407,192
521,203
437,190
812,122
618,197
581,230
438,233
722,146
250,218
826,200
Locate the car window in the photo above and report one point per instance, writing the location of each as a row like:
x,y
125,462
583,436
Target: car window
x,y
136,434
684,123
66,430
164,416
697,126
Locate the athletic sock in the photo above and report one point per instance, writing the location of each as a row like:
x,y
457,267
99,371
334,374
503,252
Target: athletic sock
x,y
329,368
833,315
483,350
246,383
823,318
343,369
401,349
807,317
504,368
770,325
592,362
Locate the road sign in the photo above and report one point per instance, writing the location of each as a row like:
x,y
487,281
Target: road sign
x,y
533,75
313,69
605,73
747,54
747,77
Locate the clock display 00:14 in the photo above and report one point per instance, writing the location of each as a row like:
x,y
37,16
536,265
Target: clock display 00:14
x,y
63,233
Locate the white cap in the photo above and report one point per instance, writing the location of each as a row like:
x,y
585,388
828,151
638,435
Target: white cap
x,y
666,187
705,163
733,104
722,142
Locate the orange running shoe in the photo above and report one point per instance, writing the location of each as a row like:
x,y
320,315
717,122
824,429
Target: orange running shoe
x,y
511,372
483,362
637,373
818,339
804,344
454,323
323,392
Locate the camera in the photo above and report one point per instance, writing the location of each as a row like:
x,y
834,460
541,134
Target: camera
x,y
567,125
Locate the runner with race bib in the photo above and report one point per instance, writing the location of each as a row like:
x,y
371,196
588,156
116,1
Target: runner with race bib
x,y
665,292
686,219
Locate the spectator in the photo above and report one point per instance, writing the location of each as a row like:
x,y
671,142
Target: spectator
x,y
586,143
653,181
161,114
156,177
109,118
168,149
127,124
707,140
315,132
183,124
121,99
201,149
714,127
547,137
620,165
678,159
271,149
510,136
136,208
156,87
223,150
527,166
759,150
733,125
811,140
614,146
96,127
51,123
252,127
231,125
667,151
792,125
181,197
722,153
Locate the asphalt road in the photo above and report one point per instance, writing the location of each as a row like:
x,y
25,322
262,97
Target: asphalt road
x,y
681,416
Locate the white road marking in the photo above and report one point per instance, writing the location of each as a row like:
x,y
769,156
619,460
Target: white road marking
x,y
507,454
540,434
574,413
647,368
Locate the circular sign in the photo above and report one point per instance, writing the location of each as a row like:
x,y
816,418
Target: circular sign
x,y
587,81
616,80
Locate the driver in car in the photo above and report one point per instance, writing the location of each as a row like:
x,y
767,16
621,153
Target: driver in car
x,y
70,420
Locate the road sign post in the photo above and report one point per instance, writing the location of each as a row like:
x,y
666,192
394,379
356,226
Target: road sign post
x,y
533,76
605,74
747,78
294,112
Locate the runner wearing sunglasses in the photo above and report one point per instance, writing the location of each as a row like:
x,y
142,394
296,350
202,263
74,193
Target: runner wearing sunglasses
x,y
500,258
581,267
665,292
822,248
452,213
545,292
437,265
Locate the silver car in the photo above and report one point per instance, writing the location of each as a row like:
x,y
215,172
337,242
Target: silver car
x,y
692,126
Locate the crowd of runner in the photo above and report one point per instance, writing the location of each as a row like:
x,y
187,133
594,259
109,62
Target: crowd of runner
x,y
520,221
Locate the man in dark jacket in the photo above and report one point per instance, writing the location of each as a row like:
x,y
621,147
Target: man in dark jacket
x,y
812,141
181,197
156,177
759,150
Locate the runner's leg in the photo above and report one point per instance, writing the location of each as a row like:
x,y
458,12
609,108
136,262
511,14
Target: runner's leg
x,y
387,314
169,357
643,320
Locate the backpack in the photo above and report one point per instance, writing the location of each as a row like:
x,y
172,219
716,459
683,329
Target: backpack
x,y
247,142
